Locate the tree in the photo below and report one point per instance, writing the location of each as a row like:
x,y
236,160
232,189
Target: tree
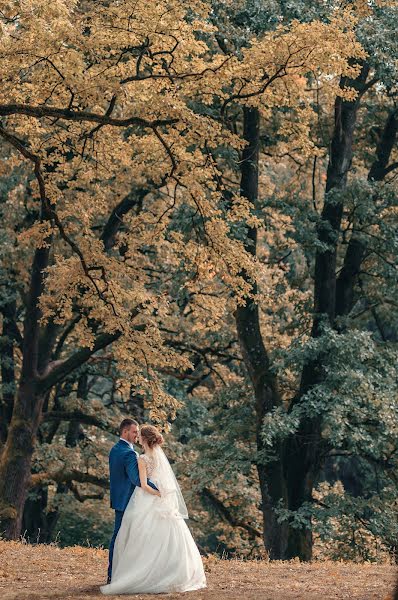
x,y
337,291
302,449
81,294
115,124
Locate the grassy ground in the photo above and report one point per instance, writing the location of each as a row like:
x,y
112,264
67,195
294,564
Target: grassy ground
x,y
44,572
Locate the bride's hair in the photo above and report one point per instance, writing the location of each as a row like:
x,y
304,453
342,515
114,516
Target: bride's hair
x,y
151,435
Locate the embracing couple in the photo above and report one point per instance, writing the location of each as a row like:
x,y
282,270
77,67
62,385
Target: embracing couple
x,y
152,549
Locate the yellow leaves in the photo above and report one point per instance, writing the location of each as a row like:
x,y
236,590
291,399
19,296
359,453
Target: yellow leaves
x,y
274,69
147,61
364,8
37,236
241,210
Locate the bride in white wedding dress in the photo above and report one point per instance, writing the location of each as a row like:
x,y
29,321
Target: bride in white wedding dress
x,y
154,549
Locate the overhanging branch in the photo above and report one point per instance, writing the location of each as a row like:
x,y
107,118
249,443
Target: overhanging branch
x,y
65,476
58,370
66,114
79,417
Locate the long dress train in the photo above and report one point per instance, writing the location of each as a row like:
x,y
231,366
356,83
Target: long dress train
x,y
154,549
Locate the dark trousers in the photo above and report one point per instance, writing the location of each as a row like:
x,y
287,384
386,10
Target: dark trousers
x,y
118,521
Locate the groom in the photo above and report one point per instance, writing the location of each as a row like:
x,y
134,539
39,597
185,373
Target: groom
x,y
124,477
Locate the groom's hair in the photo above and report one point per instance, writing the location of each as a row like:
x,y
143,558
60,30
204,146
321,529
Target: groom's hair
x,y
126,424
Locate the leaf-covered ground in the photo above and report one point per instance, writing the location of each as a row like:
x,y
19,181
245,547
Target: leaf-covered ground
x,y
41,572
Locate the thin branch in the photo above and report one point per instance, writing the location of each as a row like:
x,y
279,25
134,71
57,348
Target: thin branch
x,y
391,168
176,77
240,96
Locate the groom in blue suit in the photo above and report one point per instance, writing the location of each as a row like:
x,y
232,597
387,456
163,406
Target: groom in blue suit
x,y
124,477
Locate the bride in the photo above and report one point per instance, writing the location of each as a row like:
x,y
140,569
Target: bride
x,y
154,549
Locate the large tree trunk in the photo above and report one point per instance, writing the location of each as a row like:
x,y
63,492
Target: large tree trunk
x,y
264,383
17,457
17,454
38,376
305,450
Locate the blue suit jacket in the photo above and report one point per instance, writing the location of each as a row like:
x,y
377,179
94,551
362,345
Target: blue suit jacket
x,y
124,477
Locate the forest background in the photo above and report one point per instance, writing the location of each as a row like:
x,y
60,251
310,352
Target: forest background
x,y
199,230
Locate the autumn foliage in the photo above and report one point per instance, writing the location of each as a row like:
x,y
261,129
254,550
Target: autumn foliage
x,y
128,233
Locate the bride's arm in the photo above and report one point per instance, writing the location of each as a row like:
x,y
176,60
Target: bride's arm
x,y
143,478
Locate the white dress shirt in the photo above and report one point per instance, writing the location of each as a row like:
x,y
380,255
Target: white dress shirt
x,y
129,443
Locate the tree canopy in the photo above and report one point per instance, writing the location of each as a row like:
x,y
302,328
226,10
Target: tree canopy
x,y
199,226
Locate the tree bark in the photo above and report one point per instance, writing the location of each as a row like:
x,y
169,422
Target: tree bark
x,y
112,226
255,356
17,454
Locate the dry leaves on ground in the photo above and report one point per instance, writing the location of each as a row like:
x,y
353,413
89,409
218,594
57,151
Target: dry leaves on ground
x,y
46,571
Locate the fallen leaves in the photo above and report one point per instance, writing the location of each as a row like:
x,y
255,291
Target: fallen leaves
x,y
48,572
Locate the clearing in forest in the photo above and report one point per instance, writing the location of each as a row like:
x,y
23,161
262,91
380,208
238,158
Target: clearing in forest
x,y
48,572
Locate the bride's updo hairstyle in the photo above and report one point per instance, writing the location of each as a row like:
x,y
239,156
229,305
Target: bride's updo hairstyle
x,y
151,435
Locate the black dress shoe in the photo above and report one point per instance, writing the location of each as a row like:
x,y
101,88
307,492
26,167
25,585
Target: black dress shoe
x,y
108,580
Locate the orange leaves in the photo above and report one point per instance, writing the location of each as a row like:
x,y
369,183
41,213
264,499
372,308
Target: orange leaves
x,y
279,62
113,97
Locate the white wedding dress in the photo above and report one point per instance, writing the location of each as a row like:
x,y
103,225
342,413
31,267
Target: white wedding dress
x,y
154,549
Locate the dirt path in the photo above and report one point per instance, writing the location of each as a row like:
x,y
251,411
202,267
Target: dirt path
x,y
44,572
